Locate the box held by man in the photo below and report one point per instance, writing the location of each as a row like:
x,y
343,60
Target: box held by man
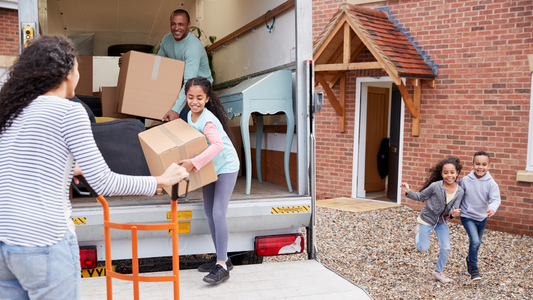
x,y
148,85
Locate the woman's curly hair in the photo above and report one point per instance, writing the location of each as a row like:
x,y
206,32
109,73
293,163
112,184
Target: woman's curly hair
x,y
41,67
435,173
214,104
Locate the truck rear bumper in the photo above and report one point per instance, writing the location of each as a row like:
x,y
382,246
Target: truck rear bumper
x,y
246,219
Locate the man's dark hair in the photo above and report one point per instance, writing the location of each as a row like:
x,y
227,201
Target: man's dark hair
x,y
181,11
480,153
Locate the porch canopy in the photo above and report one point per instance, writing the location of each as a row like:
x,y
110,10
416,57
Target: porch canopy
x,y
353,29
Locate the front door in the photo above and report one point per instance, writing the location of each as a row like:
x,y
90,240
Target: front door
x,y
394,149
376,131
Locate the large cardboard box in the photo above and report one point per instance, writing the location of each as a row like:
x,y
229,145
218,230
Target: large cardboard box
x,y
148,85
85,68
108,97
174,141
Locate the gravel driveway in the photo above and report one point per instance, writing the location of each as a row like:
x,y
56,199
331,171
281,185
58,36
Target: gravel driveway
x,y
373,249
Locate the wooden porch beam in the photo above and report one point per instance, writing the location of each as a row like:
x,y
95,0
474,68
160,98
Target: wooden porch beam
x,y
417,87
331,96
430,82
349,66
410,104
347,45
342,118
326,42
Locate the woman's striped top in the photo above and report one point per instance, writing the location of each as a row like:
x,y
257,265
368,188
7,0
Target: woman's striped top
x,y
37,157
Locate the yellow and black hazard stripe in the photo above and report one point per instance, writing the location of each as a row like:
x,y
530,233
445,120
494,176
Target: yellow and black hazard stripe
x,y
289,209
80,221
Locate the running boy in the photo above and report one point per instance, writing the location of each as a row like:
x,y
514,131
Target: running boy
x,y
482,199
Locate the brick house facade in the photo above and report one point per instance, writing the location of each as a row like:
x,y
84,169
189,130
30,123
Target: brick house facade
x,y
9,38
480,101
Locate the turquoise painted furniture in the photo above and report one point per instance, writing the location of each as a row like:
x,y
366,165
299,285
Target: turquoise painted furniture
x,y
266,94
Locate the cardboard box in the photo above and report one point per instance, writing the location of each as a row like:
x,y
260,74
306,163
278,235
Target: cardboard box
x,y
174,141
148,85
85,68
108,96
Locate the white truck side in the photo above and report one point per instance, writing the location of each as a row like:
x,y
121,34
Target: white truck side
x,y
287,45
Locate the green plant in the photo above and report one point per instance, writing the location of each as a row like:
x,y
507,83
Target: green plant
x,y
212,39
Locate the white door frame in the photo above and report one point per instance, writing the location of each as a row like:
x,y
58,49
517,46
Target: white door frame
x,y
358,171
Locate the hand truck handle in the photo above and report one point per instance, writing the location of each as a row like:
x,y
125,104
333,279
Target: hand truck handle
x,y
175,190
84,182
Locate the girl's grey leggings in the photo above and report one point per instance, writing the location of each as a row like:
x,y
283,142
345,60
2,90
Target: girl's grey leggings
x,y
216,201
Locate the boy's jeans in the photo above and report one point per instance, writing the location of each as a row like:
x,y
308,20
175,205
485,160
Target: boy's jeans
x,y
50,272
443,234
475,230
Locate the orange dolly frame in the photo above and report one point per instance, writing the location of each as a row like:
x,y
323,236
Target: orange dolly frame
x,y
135,277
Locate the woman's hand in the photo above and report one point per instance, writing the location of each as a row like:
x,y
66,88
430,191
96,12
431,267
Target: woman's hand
x,y
456,213
405,187
77,172
187,164
173,174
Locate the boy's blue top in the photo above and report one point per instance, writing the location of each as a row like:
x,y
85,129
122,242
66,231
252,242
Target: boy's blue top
x,y
480,195
226,161
192,52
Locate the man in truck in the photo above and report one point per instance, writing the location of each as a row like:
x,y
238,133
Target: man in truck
x,y
181,45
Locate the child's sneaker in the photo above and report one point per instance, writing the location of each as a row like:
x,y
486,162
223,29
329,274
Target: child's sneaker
x,y
474,274
468,266
217,275
208,266
414,231
439,276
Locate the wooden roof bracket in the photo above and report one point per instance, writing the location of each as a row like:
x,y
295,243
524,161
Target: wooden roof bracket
x,y
337,106
413,104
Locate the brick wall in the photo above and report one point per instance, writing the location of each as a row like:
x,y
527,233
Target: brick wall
x,y
480,100
9,38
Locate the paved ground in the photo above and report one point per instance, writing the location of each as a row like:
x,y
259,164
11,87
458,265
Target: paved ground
x,y
285,280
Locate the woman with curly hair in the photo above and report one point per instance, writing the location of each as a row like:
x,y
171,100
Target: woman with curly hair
x,y
43,139
443,195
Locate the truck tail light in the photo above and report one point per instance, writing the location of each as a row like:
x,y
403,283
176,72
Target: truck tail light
x,y
88,257
279,244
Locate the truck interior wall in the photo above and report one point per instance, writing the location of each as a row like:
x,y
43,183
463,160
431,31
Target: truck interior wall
x,y
253,52
115,22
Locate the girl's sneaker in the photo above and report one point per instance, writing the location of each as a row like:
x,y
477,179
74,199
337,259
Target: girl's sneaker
x,y
439,276
208,266
217,275
414,231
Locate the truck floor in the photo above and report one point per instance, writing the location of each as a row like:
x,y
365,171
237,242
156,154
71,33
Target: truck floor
x,y
285,280
264,190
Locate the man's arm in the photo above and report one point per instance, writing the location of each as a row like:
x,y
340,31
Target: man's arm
x,y
192,66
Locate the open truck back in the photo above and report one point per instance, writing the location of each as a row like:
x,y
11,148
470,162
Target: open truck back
x,y
244,50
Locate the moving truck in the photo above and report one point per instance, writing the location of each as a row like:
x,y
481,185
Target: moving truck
x,y
254,38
